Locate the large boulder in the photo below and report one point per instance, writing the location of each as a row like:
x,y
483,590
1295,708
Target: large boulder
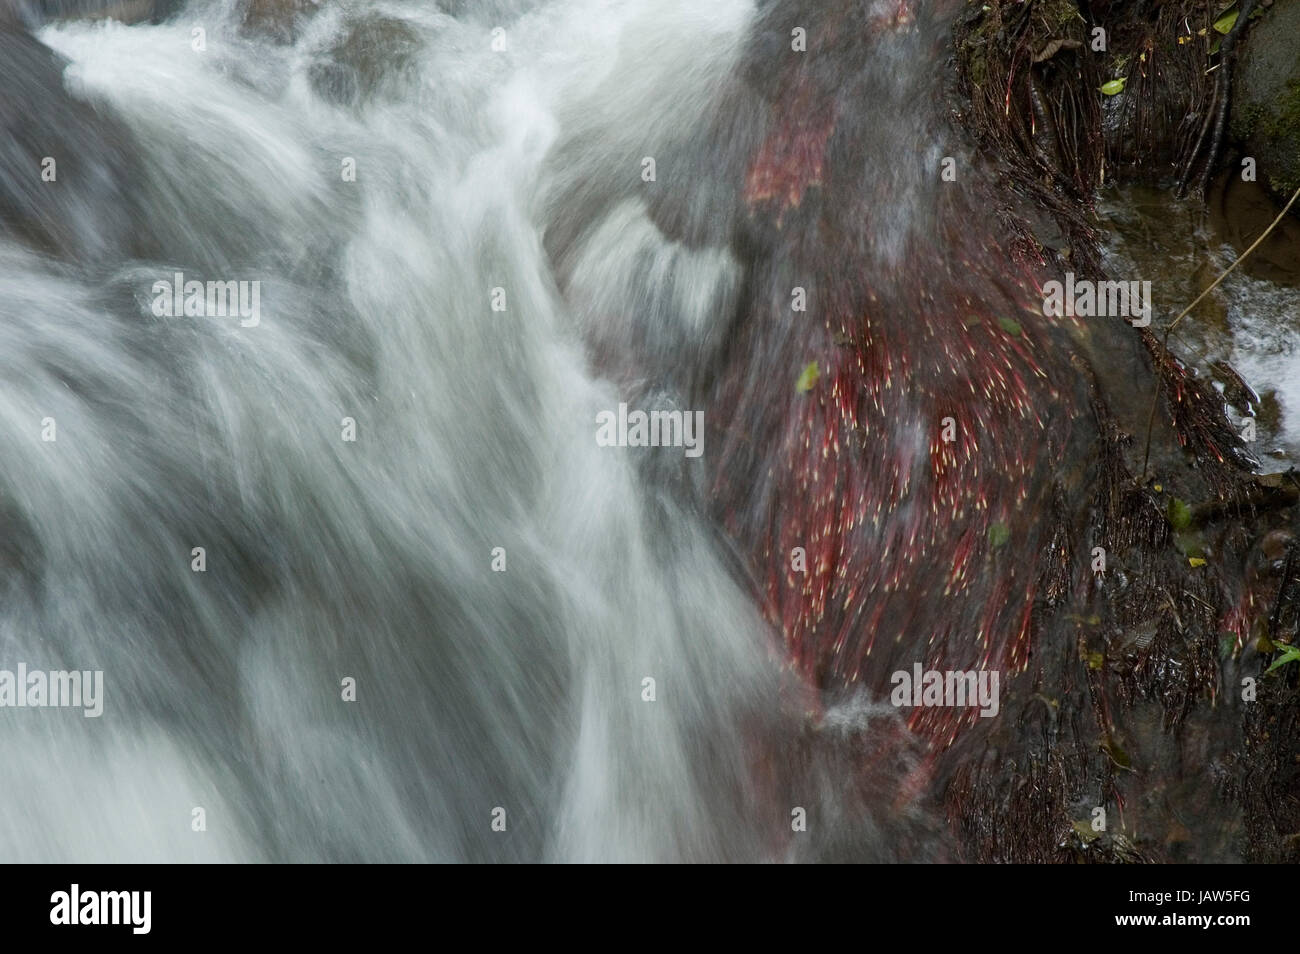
x,y
1266,104
64,168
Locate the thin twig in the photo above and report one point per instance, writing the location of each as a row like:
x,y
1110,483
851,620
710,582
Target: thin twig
x,y
1155,398
1242,258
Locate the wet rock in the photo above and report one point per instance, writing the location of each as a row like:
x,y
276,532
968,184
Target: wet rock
x,y
279,20
37,12
1266,107
370,54
63,167
496,12
1275,544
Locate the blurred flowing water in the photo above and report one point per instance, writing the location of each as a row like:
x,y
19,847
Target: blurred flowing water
x,y
372,560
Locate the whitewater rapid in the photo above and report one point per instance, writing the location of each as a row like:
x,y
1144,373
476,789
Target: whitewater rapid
x,y
497,587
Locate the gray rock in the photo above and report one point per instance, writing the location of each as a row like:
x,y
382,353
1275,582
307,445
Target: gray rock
x,y
1266,96
35,13
83,212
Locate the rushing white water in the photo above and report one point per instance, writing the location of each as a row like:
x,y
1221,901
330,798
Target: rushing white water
x,y
373,559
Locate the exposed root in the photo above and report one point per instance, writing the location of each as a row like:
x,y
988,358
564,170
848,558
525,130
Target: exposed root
x,y
1219,107
1152,660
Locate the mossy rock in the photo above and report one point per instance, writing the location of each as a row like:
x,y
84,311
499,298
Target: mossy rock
x,y
1266,98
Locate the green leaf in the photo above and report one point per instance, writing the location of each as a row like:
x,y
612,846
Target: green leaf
x,y
1196,561
1114,86
998,535
1289,654
1224,23
1086,832
1117,755
1180,515
807,378
1010,325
